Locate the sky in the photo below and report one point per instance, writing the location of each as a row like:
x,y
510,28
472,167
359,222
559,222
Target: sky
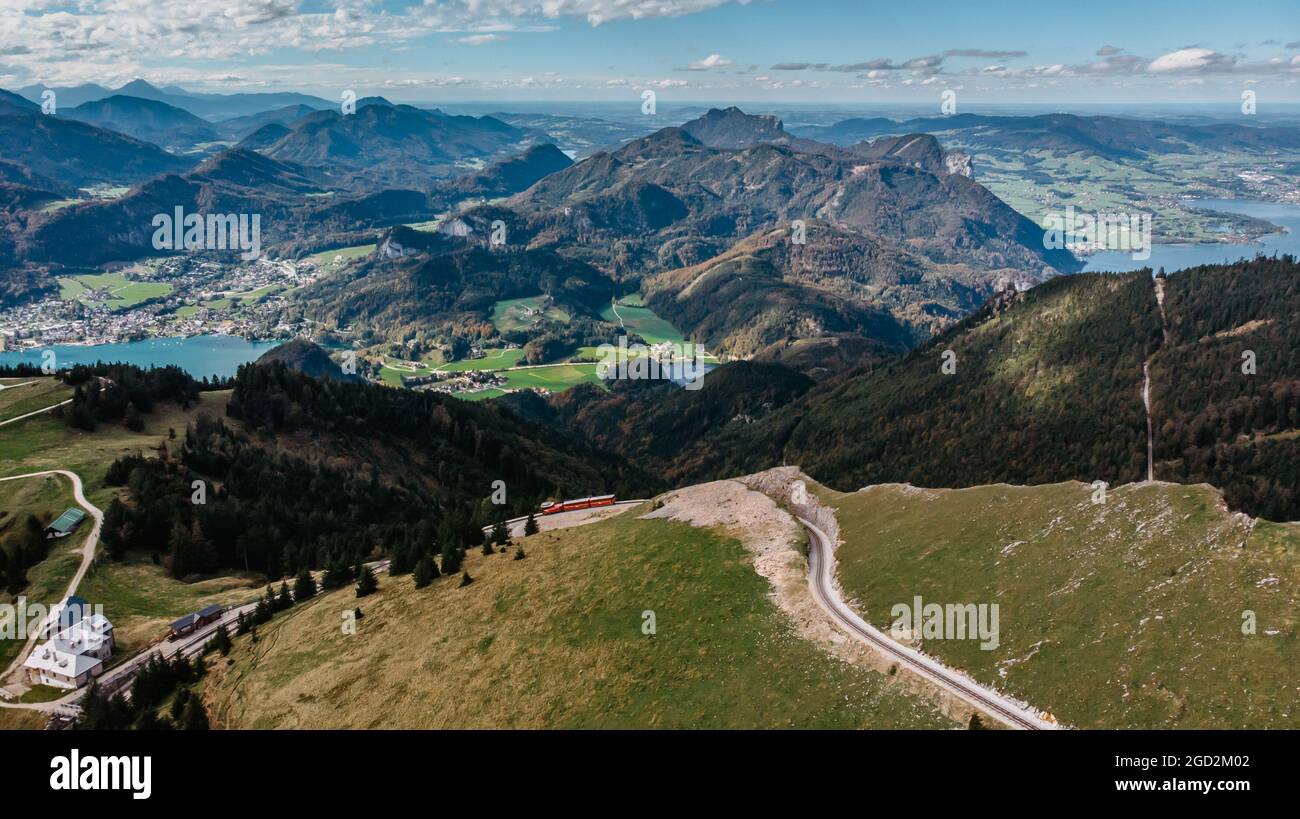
x,y
810,51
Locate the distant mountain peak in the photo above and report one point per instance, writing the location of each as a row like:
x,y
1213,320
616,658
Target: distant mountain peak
x,y
135,87
733,128
918,150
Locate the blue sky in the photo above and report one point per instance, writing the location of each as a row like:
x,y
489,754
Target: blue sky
x,y
688,50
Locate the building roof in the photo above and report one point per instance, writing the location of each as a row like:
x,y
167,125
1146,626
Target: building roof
x,y
195,616
68,521
48,658
87,635
68,653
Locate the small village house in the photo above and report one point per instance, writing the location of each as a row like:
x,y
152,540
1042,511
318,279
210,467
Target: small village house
x,y
73,656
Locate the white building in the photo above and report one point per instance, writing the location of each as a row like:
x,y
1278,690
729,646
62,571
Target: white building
x,y
73,656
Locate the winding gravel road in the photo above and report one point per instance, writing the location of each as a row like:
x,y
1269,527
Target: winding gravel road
x,y
87,556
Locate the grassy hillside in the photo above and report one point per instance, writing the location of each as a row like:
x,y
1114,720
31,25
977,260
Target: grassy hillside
x,y
1122,615
555,640
136,595
24,395
142,600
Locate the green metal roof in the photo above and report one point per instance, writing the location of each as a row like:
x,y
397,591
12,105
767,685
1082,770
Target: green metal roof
x,y
69,520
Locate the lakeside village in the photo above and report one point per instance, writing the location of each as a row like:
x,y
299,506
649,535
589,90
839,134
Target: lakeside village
x,y
178,296
468,382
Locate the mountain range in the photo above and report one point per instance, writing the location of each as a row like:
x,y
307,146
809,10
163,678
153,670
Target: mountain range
x,y
669,200
1114,138
145,119
208,106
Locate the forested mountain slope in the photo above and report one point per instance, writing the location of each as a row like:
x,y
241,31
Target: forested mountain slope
x,y
1216,423
1046,386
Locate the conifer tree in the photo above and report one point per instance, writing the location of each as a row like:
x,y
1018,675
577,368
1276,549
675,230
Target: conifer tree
x,y
366,583
450,559
500,535
304,586
425,572
220,640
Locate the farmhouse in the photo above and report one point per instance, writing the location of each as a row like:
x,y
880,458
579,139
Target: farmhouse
x,y
73,656
65,523
196,620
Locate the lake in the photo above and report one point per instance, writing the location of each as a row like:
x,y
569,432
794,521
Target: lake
x,y
1178,256
198,355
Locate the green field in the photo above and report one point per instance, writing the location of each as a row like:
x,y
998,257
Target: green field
x,y
555,378
59,204
428,227
121,291
1038,183
492,360
556,641
1126,614
391,373
254,295
331,260
643,322
510,315
481,395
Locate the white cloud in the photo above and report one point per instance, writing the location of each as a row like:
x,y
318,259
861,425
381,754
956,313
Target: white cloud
x,y
711,61
113,41
1189,59
481,39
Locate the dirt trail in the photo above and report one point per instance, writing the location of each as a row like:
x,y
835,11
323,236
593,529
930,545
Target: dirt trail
x,y
1146,381
87,557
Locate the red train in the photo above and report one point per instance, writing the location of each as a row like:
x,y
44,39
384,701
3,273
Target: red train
x,y
551,508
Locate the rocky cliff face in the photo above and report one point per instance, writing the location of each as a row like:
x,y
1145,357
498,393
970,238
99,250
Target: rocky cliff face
x,y
956,162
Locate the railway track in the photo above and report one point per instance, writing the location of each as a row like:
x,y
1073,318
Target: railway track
x,y
821,583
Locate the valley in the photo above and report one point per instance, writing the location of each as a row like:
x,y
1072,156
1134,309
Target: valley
x,y
864,446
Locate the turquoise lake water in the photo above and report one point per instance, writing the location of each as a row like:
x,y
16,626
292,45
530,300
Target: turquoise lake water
x,y
199,356
1177,257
